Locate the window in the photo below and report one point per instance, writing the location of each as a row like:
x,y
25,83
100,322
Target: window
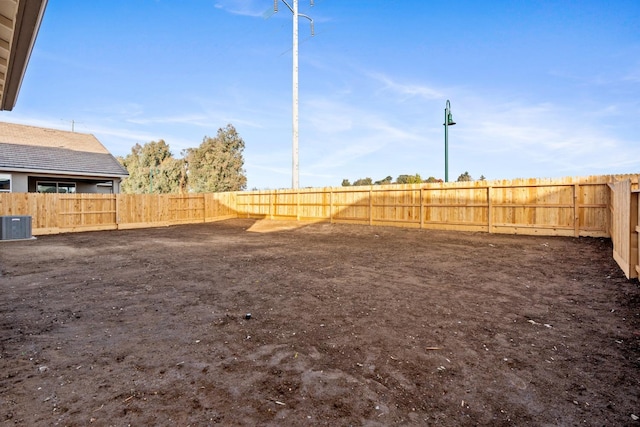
x,y
5,183
66,187
56,187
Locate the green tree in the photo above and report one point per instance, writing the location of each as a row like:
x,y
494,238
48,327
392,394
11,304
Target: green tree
x,y
433,179
482,178
217,164
387,180
465,177
409,179
153,169
363,181
346,183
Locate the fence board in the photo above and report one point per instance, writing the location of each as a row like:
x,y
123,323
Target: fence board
x,y
86,212
219,206
636,195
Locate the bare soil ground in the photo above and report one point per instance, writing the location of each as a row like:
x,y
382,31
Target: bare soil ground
x,y
350,325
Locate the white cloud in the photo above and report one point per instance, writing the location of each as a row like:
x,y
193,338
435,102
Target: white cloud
x,y
407,90
546,139
253,8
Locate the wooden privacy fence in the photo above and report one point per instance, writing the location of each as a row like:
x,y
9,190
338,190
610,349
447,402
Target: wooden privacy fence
x,y
567,207
597,206
60,213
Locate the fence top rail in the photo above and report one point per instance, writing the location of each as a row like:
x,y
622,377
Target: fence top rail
x,y
418,187
594,180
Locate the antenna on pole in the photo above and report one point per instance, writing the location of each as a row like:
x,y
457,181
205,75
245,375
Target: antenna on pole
x,y
73,124
294,10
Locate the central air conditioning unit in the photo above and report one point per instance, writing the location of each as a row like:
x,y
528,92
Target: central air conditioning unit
x,y
15,227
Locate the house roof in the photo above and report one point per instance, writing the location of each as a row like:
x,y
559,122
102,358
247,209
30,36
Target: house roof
x,y
19,24
35,149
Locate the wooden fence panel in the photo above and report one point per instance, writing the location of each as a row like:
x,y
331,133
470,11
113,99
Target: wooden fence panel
x,y
46,220
461,207
352,205
636,195
219,206
533,209
140,211
624,227
254,204
593,210
86,212
283,204
314,205
185,208
41,207
398,207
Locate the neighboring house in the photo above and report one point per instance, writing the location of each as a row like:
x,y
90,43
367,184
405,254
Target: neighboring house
x,y
34,159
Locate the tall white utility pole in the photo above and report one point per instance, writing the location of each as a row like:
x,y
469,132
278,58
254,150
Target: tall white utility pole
x,y
294,10
296,135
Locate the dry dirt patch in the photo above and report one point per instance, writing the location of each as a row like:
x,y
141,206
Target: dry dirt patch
x,y
350,325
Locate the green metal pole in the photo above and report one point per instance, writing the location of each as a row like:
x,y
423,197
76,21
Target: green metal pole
x,y
446,144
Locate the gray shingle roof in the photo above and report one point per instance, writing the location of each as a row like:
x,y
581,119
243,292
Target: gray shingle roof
x,y
39,149
25,157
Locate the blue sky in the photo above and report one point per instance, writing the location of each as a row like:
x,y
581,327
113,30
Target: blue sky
x,y
537,88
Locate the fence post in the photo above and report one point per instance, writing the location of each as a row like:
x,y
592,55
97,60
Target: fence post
x,y
489,213
117,197
370,206
421,211
59,215
635,236
576,210
330,206
271,204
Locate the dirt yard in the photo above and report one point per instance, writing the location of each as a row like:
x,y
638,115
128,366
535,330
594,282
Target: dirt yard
x,y
349,325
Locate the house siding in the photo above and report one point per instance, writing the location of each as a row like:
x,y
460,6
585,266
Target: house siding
x,y
19,182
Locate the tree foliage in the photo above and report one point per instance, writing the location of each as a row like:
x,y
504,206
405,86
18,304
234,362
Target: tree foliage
x,y
153,169
387,180
409,179
465,177
217,164
402,179
363,181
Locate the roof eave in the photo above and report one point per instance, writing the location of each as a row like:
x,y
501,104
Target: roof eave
x,y
61,172
27,23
